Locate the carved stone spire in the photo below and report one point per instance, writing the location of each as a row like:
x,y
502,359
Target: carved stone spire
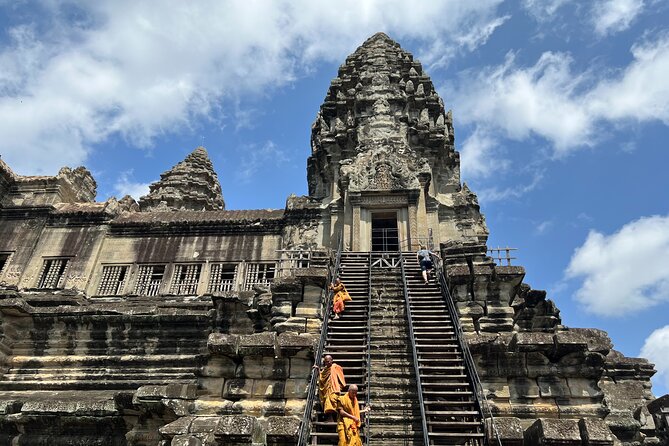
x,y
190,185
381,105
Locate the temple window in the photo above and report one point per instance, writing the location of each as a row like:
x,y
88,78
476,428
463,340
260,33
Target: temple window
x,y
149,279
4,260
222,277
52,273
113,280
186,279
258,274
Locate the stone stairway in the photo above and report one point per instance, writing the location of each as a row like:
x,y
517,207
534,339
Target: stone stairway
x,y
347,340
452,413
395,417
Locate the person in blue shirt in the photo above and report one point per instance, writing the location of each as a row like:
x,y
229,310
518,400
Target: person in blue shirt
x,y
425,261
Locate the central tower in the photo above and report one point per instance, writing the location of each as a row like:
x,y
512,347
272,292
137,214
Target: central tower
x,y
383,163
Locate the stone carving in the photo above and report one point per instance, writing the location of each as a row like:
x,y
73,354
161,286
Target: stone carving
x,y
190,185
382,170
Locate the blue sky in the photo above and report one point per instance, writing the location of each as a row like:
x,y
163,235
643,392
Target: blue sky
x,y
561,114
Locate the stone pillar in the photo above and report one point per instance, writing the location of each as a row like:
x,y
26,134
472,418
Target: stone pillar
x,y
413,220
422,224
355,243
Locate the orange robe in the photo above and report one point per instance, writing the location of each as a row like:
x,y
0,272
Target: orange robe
x,y
330,382
347,429
341,296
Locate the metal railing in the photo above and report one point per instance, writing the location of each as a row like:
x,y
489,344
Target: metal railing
x,y
305,427
419,385
368,379
470,367
293,259
500,255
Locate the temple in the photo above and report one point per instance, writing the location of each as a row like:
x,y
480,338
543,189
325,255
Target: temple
x,y
174,321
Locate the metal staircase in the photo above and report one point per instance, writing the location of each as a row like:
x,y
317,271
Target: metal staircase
x,y
347,340
451,406
400,342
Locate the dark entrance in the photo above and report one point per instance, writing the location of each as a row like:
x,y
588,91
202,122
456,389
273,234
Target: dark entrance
x,y
385,236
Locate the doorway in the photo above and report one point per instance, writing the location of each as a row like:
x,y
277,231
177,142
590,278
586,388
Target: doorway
x,y
385,235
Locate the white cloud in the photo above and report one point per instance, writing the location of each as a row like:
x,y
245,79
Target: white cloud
x,y
623,272
255,158
128,68
655,348
610,16
477,156
490,194
543,10
567,108
543,227
126,186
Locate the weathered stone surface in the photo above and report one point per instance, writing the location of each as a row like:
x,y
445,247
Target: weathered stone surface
x,y
553,432
282,430
595,432
190,185
508,429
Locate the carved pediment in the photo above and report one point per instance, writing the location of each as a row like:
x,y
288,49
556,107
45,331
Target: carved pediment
x,y
383,170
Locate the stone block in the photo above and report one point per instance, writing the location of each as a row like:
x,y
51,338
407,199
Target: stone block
x,y
223,344
292,324
496,388
267,388
282,430
301,368
265,367
512,364
314,326
186,440
235,388
499,311
294,345
233,429
9,406
212,406
213,386
274,407
307,310
219,367
549,432
508,429
262,344
178,427
538,364
595,432
553,386
282,309
295,407
311,295
181,391
201,425
584,388
523,388
532,342
296,388
470,309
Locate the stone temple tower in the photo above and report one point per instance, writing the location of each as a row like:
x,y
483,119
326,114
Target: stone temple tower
x,y
175,321
383,162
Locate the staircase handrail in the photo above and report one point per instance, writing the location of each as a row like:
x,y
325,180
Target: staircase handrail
x,y
421,403
368,378
305,426
470,367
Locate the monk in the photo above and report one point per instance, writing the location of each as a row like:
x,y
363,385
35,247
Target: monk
x,y
348,423
341,296
330,382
